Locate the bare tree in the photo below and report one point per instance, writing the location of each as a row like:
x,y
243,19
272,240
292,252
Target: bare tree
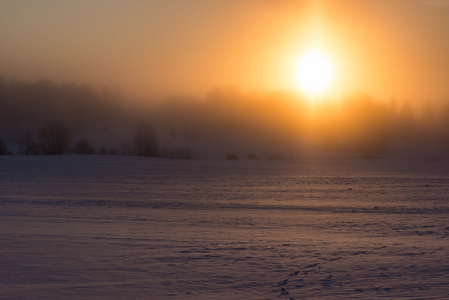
x,y
28,144
55,138
145,141
83,147
3,147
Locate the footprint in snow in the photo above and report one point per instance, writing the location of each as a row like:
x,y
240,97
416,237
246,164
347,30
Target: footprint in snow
x,y
294,273
313,265
284,282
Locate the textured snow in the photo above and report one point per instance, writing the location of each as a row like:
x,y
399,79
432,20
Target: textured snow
x,y
114,227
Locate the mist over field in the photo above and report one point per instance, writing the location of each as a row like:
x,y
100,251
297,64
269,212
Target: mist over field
x,y
276,125
102,69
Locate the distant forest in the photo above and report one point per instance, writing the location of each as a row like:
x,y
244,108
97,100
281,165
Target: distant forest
x,y
44,117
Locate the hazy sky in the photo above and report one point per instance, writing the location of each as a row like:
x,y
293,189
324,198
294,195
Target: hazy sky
x,y
385,48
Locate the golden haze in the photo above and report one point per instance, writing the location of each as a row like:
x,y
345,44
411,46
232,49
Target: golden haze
x,y
152,50
383,48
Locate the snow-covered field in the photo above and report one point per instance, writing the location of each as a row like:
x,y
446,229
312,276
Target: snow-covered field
x,y
102,227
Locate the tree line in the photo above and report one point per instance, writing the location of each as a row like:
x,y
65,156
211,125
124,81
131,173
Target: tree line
x,y
54,138
47,118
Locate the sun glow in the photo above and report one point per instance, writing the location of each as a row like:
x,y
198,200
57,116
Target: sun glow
x,y
314,72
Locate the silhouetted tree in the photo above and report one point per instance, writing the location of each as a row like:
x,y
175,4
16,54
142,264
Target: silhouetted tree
x,y
145,141
28,144
103,151
112,152
232,156
3,147
83,147
55,138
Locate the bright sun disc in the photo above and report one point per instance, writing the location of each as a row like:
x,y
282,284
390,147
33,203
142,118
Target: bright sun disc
x,y
314,72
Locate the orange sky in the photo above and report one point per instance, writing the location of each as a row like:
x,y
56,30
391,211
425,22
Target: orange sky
x,y
384,48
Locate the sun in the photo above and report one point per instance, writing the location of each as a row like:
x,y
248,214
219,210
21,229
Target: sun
x,y
314,72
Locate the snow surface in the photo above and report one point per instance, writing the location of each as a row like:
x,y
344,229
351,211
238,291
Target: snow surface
x,y
114,227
